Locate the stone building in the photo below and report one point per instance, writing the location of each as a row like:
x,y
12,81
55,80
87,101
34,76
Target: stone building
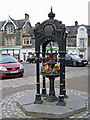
x,y
16,37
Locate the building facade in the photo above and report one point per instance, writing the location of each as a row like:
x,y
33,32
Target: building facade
x,y
15,36
78,40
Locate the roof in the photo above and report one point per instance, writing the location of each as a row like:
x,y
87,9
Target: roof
x,y
19,23
29,33
72,30
88,29
1,24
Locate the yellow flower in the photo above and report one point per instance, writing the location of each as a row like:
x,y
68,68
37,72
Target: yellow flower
x,y
59,63
46,67
55,64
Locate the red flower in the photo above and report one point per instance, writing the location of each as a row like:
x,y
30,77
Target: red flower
x,y
50,65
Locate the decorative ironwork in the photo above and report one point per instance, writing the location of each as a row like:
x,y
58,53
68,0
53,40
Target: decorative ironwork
x,y
51,15
50,30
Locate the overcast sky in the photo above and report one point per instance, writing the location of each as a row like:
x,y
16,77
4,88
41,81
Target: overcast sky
x,y
67,11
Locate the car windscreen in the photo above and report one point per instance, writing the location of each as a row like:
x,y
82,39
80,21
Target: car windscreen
x,y
75,57
7,59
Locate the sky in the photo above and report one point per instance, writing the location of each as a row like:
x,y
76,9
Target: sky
x,y
67,11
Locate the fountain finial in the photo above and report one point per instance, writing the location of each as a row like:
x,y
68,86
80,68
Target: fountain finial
x,y
51,15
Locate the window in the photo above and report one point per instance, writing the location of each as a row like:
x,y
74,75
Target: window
x,y
67,57
10,42
6,41
82,30
13,41
71,42
27,41
81,42
9,29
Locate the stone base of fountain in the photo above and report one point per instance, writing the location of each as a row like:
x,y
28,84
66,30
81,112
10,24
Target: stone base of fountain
x,y
74,105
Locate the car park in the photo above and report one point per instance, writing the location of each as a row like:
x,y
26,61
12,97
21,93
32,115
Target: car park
x,y
74,60
10,67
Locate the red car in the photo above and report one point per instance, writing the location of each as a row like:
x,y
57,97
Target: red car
x,y
10,67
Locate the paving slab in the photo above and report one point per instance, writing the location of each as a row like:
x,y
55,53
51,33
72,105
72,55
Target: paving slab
x,y
74,105
47,111
5,84
27,99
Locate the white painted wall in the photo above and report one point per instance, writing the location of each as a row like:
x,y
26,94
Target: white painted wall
x,y
24,52
82,34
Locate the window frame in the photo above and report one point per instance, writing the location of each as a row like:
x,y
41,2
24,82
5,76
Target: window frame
x,y
7,41
10,29
27,40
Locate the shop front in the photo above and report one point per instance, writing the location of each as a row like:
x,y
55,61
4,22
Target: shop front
x,y
14,51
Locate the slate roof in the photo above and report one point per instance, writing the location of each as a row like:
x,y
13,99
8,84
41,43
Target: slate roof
x,y
1,24
19,23
30,33
88,29
72,30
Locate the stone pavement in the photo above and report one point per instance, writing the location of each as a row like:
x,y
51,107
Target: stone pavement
x,y
11,110
77,79
12,89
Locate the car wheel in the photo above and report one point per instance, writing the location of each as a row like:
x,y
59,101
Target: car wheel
x,y
74,64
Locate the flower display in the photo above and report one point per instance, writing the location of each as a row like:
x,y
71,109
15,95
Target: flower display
x,y
47,69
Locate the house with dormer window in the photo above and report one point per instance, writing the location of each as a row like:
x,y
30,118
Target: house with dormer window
x,y
16,37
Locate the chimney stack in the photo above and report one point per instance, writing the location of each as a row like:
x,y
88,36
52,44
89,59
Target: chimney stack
x,y
76,23
26,16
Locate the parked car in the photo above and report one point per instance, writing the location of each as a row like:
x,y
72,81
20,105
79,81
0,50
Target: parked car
x,y
33,59
10,67
75,60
